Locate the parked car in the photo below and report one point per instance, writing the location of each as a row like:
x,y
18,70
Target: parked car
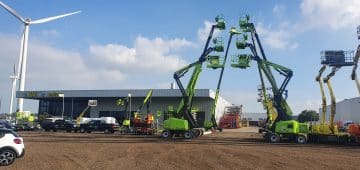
x,y
57,125
11,146
7,125
98,125
28,126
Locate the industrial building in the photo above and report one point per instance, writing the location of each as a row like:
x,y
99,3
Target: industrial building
x,y
346,110
75,101
254,119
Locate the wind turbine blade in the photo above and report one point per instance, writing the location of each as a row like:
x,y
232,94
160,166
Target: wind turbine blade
x,y
12,12
39,21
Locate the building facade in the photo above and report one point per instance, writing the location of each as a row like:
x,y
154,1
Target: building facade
x,y
75,101
346,110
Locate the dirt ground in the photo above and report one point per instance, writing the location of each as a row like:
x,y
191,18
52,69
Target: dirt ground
x,y
231,149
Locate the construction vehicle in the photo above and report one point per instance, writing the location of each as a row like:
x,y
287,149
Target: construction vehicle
x,y
78,120
214,63
125,123
182,122
354,129
231,118
329,132
144,124
279,124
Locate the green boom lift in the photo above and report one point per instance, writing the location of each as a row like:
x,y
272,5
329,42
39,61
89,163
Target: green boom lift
x,y
279,123
213,60
182,122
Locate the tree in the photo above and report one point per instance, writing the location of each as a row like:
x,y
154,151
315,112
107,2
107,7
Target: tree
x,y
308,115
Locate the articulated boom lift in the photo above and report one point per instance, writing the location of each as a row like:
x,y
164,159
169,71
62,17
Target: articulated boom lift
x,y
356,60
144,125
126,122
354,129
353,73
213,60
183,123
333,99
283,110
323,97
329,131
279,123
146,102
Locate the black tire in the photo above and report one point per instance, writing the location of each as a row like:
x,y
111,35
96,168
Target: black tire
x,y
274,138
69,131
301,139
196,132
89,131
188,134
7,157
106,131
82,130
201,133
166,134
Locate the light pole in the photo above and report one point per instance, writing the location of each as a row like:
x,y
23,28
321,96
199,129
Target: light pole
x,y
129,96
63,104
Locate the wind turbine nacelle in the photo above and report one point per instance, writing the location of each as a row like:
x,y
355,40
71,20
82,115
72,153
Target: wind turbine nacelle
x,y
13,77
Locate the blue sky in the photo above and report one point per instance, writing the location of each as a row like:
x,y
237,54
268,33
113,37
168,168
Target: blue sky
x,y
139,44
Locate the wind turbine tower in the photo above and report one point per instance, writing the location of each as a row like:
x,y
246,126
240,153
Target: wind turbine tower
x,y
24,46
14,77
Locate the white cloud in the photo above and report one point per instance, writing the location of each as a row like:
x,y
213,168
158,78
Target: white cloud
x,y
51,68
319,14
279,10
333,14
203,32
102,67
148,55
277,39
107,67
114,53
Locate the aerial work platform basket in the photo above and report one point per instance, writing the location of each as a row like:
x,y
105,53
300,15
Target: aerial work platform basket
x,y
337,58
241,41
220,22
215,61
244,23
218,44
241,61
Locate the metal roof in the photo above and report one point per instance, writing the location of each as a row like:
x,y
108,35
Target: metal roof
x,y
108,93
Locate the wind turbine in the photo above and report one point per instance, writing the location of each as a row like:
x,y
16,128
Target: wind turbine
x,y
14,77
24,46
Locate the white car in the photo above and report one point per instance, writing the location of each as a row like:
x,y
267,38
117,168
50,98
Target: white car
x,y
11,146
